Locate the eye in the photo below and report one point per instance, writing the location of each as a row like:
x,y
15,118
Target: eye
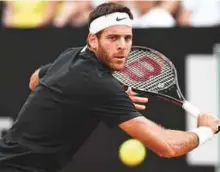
x,y
113,38
128,38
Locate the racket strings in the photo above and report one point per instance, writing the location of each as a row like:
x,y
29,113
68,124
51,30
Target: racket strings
x,y
135,63
164,77
158,83
155,85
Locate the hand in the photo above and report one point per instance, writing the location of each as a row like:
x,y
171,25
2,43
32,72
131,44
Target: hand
x,y
208,120
34,80
137,101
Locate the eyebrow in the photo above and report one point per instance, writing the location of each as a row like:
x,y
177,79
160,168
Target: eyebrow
x,y
120,35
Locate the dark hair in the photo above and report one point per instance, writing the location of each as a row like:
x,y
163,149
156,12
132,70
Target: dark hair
x,y
108,8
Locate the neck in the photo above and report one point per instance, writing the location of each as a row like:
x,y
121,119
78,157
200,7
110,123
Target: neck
x,y
93,50
99,59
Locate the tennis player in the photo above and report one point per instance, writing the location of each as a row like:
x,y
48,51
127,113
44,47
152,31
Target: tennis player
x,y
77,91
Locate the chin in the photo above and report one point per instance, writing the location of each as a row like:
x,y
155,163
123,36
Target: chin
x,y
118,67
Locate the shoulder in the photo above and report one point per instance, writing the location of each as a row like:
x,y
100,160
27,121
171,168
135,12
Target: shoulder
x,y
70,51
65,57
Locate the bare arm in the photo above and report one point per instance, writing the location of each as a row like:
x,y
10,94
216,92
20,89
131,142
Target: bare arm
x,y
165,143
34,80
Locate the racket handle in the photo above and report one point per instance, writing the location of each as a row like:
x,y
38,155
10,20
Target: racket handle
x,y
193,110
189,107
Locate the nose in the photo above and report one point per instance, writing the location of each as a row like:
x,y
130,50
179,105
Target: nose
x,y
122,43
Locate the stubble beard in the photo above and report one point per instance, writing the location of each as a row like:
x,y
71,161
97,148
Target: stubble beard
x,y
106,59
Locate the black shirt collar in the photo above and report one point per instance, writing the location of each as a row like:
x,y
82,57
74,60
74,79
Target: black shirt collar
x,y
86,52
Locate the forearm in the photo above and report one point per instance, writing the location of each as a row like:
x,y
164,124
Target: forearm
x,y
170,143
180,142
165,143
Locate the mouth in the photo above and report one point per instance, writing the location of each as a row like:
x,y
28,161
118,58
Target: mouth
x,y
120,57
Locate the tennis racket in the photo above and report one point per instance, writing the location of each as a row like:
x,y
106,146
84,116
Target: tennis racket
x,y
150,71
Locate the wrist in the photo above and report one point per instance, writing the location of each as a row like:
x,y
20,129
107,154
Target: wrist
x,y
204,134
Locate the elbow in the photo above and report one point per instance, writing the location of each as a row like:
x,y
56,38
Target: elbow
x,y
31,87
166,151
34,80
167,154
32,84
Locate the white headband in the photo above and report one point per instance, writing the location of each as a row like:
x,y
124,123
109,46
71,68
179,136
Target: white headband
x,y
112,19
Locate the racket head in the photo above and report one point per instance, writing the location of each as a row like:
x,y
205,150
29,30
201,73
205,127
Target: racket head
x,y
150,71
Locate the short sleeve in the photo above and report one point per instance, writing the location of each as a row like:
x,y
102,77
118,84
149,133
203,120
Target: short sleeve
x,y
44,69
113,106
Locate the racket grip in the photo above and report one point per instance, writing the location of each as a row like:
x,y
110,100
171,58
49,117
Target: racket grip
x,y
189,107
194,111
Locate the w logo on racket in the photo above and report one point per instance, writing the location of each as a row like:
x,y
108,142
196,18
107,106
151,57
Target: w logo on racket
x,y
142,69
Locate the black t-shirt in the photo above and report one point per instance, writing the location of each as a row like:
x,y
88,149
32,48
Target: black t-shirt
x,y
76,93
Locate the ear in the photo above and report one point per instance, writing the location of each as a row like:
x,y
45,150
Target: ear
x,y
93,40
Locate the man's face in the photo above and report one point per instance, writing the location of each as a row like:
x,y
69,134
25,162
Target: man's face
x,y
114,45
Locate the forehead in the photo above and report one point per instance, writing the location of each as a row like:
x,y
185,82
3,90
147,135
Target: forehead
x,y
118,30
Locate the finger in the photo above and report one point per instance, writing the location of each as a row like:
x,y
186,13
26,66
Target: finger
x,y
130,92
139,107
136,99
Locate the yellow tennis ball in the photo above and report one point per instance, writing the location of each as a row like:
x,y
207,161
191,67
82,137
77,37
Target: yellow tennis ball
x,y
132,152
